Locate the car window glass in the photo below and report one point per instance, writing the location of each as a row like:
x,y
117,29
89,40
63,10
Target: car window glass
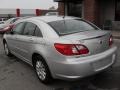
x,y
37,32
29,29
64,27
4,19
8,21
18,29
13,20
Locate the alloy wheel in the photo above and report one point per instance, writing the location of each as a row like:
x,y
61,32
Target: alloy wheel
x,y
41,71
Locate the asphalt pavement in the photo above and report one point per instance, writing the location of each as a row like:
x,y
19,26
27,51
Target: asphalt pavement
x,y
17,75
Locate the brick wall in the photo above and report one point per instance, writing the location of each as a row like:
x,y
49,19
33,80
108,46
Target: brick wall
x,y
61,8
90,11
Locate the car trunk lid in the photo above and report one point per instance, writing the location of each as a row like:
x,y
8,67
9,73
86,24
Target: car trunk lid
x,y
96,41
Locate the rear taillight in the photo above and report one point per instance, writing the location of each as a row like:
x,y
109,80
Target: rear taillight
x,y
71,49
110,40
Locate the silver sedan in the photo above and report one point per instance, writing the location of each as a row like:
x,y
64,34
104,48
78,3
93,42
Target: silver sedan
x,y
61,47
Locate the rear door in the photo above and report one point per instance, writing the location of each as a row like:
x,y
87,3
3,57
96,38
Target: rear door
x,y
33,41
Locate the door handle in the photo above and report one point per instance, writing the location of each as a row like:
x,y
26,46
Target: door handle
x,y
16,38
31,39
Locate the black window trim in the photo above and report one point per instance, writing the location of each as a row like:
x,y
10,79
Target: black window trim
x,y
39,30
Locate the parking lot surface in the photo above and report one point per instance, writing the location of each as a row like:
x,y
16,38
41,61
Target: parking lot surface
x,y
17,75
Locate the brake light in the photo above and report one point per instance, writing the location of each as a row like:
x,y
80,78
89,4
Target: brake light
x,y
71,49
110,40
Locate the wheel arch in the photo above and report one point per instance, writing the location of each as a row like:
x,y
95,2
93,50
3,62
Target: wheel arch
x,y
33,61
35,54
33,57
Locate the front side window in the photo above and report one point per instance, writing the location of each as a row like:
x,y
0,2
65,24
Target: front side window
x,y
29,29
64,27
18,29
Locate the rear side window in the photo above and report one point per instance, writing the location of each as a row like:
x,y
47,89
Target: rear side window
x,y
38,32
18,28
29,29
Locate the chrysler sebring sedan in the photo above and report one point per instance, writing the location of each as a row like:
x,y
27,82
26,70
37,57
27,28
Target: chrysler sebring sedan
x,y
59,47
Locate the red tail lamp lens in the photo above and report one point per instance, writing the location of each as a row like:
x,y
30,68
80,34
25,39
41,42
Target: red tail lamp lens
x,y
71,49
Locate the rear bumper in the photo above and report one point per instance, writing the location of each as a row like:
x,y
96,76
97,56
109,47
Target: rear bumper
x,y
84,66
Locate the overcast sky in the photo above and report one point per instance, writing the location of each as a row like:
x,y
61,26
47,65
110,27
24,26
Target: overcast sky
x,y
27,4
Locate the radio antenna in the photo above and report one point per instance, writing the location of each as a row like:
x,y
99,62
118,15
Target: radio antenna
x,y
64,9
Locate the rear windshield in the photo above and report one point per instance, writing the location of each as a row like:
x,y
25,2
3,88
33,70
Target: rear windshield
x,y
64,27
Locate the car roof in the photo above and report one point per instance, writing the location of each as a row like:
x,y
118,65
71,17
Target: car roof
x,y
52,18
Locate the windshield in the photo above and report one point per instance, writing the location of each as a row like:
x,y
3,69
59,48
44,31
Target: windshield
x,y
64,27
11,21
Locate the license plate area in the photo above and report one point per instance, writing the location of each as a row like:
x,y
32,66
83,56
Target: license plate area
x,y
101,64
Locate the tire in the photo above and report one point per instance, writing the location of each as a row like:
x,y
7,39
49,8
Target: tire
x,y
42,70
6,49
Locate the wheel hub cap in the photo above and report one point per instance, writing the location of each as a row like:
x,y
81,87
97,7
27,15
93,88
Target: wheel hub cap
x,y
40,68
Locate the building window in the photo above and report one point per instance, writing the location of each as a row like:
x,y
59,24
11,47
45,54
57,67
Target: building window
x,y
75,9
117,11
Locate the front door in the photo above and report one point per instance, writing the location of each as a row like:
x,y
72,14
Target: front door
x,y
13,38
25,43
